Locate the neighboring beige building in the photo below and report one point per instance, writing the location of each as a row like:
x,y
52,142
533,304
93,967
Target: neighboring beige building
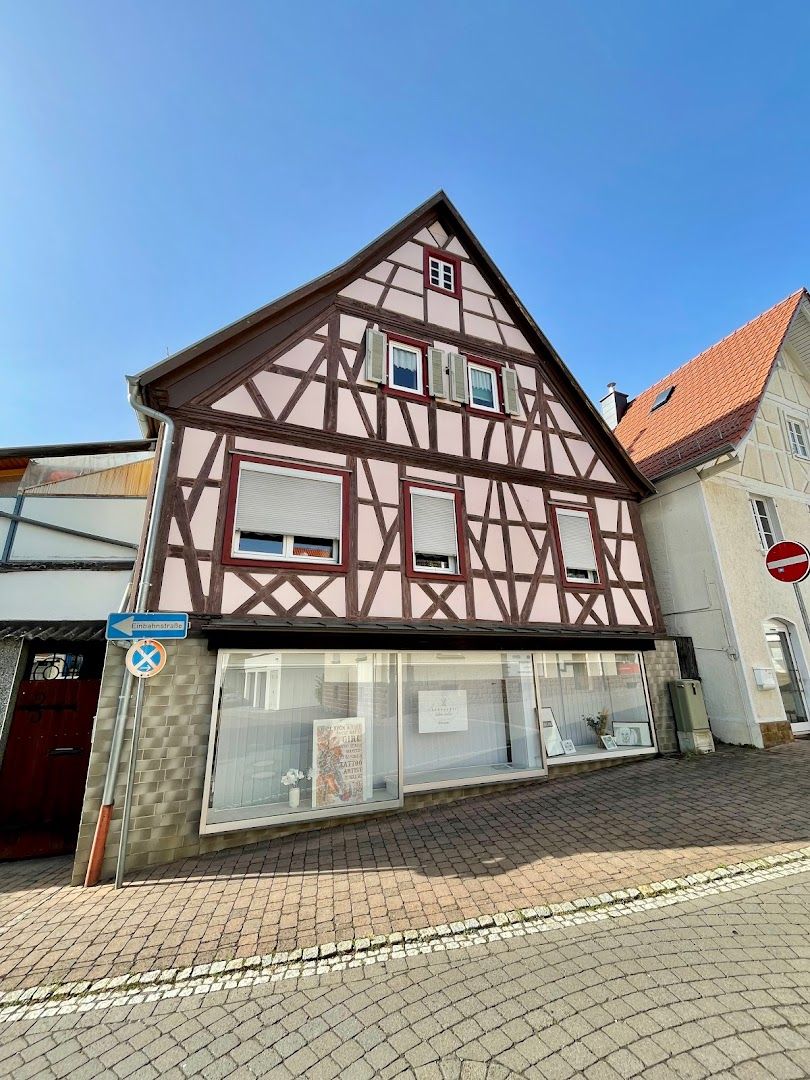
x,y
726,441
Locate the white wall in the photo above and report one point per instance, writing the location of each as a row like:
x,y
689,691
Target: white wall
x,y
692,596
27,595
119,519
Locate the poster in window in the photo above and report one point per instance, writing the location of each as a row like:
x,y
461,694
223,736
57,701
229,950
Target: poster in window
x,y
552,740
340,775
442,710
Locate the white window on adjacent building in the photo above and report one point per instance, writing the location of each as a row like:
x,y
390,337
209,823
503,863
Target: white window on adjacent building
x,y
797,437
577,548
434,531
288,514
765,520
442,274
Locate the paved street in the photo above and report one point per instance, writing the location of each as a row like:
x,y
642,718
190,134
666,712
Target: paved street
x,y
713,987
582,836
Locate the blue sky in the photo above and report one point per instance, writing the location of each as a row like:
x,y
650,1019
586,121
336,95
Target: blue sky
x,y
638,170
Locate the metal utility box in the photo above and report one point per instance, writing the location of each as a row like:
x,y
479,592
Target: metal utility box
x,y
690,716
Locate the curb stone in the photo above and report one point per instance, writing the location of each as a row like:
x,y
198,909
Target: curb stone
x,y
336,956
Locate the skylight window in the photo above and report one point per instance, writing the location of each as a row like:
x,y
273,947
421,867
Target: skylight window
x,y
662,398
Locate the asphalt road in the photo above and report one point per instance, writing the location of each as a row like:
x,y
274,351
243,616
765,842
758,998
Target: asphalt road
x,y
714,987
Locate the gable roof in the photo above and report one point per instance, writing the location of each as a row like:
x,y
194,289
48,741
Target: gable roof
x,y
178,376
714,399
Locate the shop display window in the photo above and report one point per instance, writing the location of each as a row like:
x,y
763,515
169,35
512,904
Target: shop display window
x,y
299,735
592,702
468,716
302,734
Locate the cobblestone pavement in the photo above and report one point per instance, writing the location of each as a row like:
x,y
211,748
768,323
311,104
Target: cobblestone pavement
x,y
716,987
545,843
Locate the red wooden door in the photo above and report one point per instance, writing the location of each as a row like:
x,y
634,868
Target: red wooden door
x,y
44,769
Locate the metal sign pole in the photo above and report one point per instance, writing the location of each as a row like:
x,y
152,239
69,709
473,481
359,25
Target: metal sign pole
x,y
120,865
802,609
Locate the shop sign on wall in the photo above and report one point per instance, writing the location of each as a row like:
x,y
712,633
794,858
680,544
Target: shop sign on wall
x,y
340,775
442,710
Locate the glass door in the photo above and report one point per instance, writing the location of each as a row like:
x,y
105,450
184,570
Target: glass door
x,y
788,679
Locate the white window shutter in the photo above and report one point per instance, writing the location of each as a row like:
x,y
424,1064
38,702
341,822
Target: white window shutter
x,y
511,401
376,344
295,503
458,377
433,520
576,540
436,384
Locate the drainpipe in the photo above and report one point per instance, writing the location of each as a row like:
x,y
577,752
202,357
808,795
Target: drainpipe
x,y
108,797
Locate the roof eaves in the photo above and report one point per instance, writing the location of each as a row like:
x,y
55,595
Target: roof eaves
x,y
309,288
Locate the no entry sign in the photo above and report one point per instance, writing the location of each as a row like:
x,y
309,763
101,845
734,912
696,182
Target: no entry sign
x,y
788,561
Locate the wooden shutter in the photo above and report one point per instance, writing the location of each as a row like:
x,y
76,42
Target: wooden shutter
x,y
576,540
289,503
458,377
433,522
376,346
511,401
436,373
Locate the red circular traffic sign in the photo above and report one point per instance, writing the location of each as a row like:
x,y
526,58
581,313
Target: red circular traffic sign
x,y
788,561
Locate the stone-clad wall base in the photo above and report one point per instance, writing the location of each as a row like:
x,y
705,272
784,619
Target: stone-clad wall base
x,y
10,654
170,773
776,732
661,667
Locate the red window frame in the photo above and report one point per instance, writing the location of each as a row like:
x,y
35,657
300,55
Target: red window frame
x,y
596,537
497,367
419,573
445,256
414,343
301,566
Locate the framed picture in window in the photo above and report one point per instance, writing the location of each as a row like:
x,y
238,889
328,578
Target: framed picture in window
x,y
569,746
552,740
632,733
609,742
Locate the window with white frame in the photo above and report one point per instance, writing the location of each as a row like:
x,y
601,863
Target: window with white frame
x,y
288,514
434,534
442,274
765,520
405,367
797,437
483,386
576,545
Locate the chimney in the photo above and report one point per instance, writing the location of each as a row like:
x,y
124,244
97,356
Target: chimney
x,y
613,406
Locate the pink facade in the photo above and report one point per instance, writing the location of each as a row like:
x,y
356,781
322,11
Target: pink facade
x,y
307,399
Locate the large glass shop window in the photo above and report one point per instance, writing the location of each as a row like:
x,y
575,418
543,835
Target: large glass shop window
x,y
592,702
468,716
310,734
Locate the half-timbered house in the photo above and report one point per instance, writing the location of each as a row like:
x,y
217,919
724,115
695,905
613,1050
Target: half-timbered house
x,y
410,549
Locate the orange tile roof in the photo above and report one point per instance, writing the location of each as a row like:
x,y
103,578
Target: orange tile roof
x,y
715,398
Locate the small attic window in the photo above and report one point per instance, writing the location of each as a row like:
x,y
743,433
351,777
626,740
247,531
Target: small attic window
x,y
442,272
662,398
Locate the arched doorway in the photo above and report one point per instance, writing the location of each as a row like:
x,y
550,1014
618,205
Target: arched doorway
x,y
791,673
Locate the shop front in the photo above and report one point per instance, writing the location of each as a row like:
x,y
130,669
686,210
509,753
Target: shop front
x,y
302,735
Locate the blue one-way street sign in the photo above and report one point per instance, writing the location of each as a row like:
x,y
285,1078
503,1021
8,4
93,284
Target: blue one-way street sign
x,y
126,625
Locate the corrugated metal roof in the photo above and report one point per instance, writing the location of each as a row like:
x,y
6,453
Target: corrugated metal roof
x,y
52,631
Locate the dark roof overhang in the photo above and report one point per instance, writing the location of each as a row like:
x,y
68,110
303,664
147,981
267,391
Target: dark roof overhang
x,y
74,449
380,634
